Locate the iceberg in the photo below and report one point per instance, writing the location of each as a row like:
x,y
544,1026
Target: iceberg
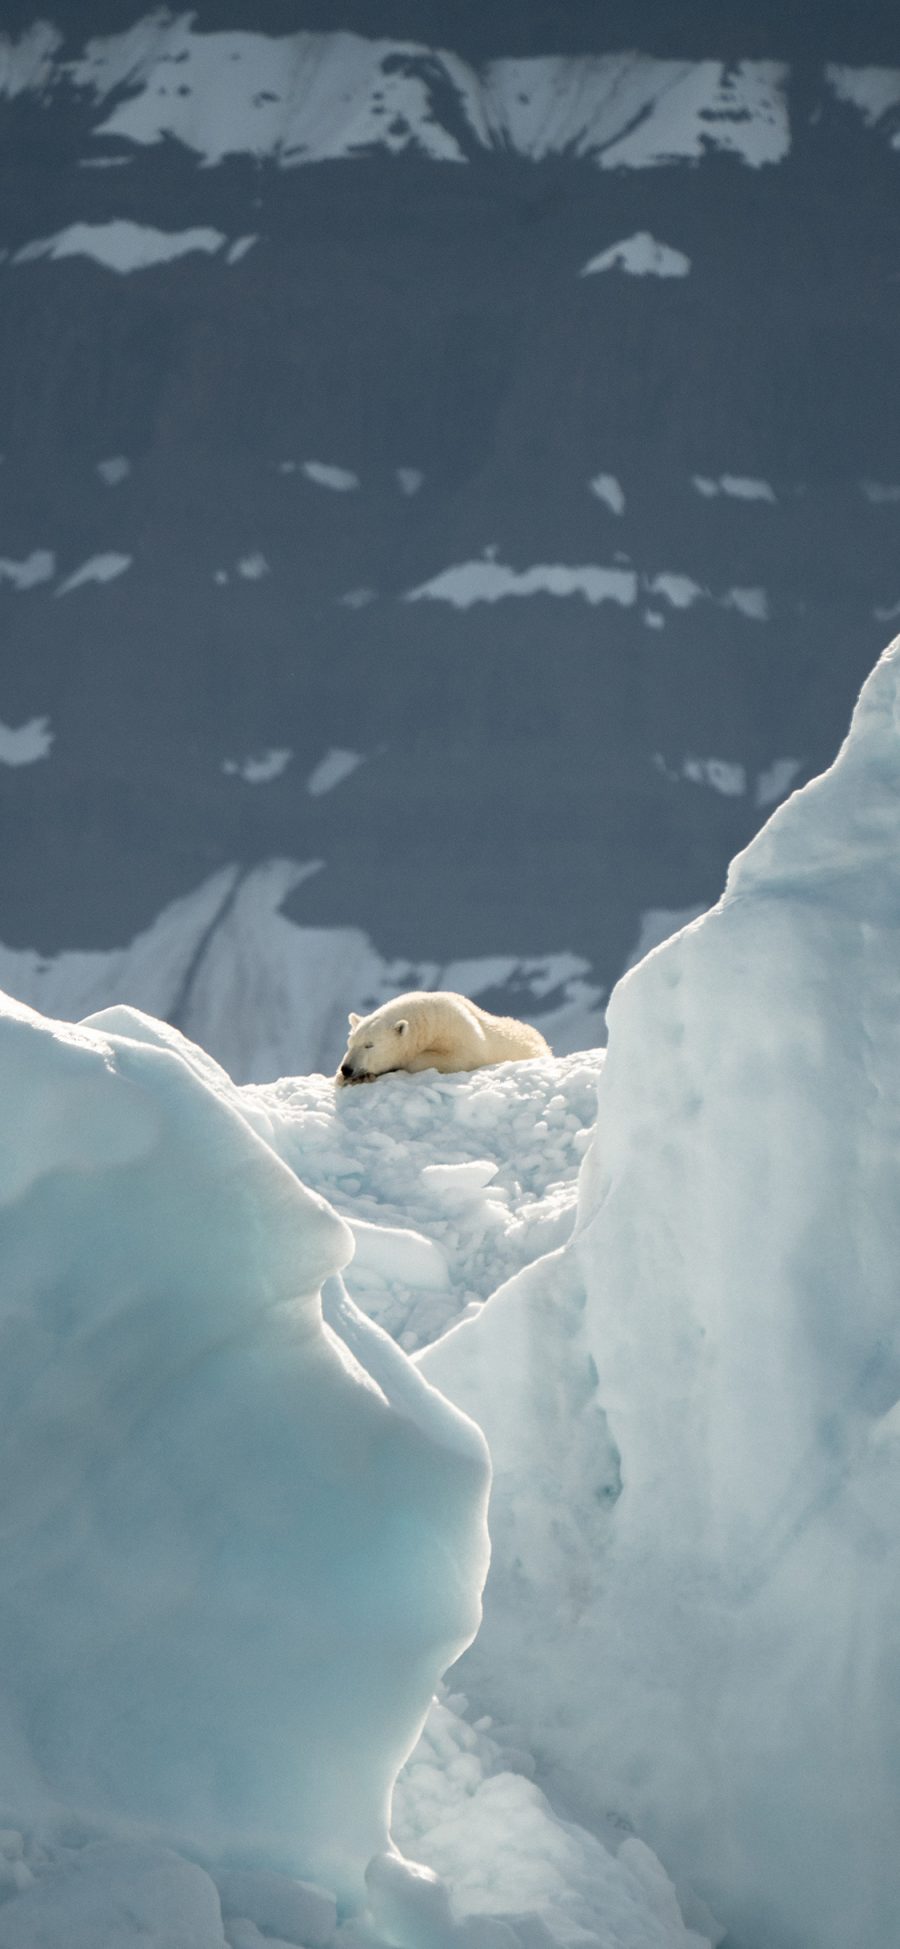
x,y
238,1550
692,1607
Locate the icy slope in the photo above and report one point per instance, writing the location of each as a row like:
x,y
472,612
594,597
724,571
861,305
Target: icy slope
x,y
236,1556
696,1444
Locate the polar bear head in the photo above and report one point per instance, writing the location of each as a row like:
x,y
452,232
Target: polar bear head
x,y
376,1044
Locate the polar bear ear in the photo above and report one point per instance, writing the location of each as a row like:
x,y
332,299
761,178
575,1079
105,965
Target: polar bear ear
x,y
354,1020
401,1027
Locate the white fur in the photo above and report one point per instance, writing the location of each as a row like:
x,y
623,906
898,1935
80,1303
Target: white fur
x,y
434,1031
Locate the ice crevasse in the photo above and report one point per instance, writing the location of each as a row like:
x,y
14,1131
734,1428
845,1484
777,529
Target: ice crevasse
x,y
236,1554
697,1446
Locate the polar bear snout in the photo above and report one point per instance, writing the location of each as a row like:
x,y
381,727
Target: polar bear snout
x,y
347,1074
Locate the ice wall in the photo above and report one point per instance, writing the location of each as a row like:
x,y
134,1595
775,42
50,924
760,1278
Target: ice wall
x,y
693,1610
236,1555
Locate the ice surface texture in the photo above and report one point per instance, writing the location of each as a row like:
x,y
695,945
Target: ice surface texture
x,y
236,1556
697,1445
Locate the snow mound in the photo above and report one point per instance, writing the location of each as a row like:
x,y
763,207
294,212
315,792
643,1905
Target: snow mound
x,y
450,1183
237,1555
697,1441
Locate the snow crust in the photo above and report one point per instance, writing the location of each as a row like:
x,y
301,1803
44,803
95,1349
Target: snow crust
x,y
695,1444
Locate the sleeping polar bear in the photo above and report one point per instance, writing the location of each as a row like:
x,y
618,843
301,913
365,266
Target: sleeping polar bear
x,y
433,1031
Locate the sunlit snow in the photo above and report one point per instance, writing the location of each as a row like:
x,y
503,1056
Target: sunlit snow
x,y
712,1533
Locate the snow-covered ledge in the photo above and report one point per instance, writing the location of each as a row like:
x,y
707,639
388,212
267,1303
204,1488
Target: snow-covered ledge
x,y
692,1611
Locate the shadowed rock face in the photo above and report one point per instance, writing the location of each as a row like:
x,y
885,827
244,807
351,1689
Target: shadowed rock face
x,y
254,402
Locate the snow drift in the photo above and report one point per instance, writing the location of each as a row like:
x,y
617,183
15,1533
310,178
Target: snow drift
x,y
697,1444
236,1555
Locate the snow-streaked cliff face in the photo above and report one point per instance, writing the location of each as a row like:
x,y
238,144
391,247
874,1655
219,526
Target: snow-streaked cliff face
x,y
482,402
696,1448
319,97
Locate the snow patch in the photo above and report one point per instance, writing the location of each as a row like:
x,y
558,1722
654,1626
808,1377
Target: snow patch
x,y
38,567
114,470
740,487
260,768
875,92
122,245
100,568
490,581
331,770
640,256
607,488
775,782
27,743
253,567
324,474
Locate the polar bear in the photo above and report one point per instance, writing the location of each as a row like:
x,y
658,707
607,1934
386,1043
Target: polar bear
x,y
433,1031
